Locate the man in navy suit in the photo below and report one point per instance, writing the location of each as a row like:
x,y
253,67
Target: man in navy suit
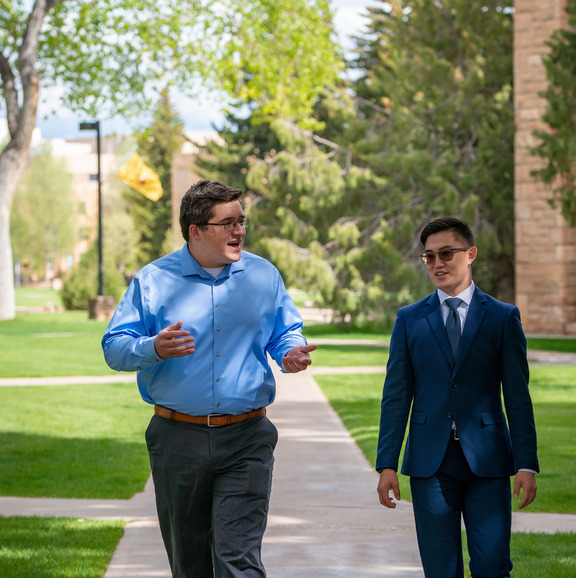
x,y
461,448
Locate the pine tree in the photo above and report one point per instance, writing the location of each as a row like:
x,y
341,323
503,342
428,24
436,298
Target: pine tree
x,y
157,145
436,122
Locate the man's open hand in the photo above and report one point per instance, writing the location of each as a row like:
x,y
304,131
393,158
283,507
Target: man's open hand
x,y
173,341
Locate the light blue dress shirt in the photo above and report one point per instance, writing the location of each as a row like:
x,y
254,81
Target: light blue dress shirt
x,y
462,311
235,318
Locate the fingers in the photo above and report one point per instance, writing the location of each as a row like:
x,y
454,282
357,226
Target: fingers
x,y
298,358
308,348
172,341
387,483
525,483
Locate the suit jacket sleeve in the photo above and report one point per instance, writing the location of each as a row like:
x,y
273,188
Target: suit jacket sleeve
x,y
396,398
517,401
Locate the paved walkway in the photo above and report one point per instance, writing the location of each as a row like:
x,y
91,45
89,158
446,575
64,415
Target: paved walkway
x,y
325,519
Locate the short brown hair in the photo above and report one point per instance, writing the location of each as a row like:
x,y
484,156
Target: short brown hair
x,y
197,206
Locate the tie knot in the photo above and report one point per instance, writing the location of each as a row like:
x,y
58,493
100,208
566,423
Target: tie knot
x,y
453,303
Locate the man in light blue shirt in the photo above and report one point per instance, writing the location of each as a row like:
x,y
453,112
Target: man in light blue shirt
x,y
197,325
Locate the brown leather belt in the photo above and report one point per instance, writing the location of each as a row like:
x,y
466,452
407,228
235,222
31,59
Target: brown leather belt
x,y
213,420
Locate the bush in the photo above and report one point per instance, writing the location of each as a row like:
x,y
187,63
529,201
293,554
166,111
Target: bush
x,y
82,282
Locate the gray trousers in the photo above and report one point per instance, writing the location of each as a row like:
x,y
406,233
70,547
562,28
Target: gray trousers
x,y
212,494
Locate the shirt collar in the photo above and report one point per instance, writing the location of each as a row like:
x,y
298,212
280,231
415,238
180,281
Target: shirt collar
x,y
466,295
191,267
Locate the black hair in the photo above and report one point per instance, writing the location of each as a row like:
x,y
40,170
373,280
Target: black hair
x,y
460,229
197,206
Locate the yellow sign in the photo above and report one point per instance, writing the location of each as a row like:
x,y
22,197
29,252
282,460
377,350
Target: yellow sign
x,y
140,177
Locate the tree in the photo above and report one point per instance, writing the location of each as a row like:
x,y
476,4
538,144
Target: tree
x,y
319,218
436,122
557,145
119,251
157,144
112,57
42,223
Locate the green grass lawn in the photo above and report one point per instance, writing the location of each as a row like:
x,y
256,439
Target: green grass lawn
x,y
52,344
348,355
343,331
35,297
78,441
539,555
63,547
567,345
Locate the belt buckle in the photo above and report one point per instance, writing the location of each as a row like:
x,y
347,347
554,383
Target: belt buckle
x,y
213,424
455,434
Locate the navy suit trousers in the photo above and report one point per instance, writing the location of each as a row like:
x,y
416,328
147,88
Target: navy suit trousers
x,y
440,503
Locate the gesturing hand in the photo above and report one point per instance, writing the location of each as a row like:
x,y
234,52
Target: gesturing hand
x,y
298,358
173,341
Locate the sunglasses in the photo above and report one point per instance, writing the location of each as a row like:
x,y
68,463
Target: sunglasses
x,y
445,255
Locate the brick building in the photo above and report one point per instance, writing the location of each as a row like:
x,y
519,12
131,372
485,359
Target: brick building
x,y
545,244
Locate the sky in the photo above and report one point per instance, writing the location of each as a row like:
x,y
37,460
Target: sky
x,y
199,114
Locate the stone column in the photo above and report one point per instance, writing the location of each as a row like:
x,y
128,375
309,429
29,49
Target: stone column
x,y
545,244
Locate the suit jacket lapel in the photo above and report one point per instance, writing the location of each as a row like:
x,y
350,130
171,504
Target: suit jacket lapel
x,y
474,320
436,322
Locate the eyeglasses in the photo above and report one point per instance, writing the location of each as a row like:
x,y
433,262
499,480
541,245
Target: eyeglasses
x,y
229,225
429,257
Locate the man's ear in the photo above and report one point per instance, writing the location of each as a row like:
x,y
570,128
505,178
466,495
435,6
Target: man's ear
x,y
193,232
472,252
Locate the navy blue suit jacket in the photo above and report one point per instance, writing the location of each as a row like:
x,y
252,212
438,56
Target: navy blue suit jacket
x,y
424,384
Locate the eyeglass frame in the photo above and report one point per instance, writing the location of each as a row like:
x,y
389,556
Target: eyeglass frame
x,y
243,222
448,250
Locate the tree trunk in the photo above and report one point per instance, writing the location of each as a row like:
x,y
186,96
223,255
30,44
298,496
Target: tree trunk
x,y
9,174
12,162
21,121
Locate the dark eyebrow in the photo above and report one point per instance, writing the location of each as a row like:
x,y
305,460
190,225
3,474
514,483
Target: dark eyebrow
x,y
230,219
441,249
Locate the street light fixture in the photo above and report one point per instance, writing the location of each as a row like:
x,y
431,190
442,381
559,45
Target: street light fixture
x,y
96,126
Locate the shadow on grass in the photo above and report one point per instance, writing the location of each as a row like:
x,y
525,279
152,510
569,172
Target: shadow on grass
x,y
36,465
49,547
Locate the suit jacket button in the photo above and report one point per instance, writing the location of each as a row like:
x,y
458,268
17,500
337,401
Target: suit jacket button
x,y
454,384
449,415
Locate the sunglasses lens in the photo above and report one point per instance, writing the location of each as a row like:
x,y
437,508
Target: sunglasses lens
x,y
446,255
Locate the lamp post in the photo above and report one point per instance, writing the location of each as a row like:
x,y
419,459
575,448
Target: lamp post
x,y
96,126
